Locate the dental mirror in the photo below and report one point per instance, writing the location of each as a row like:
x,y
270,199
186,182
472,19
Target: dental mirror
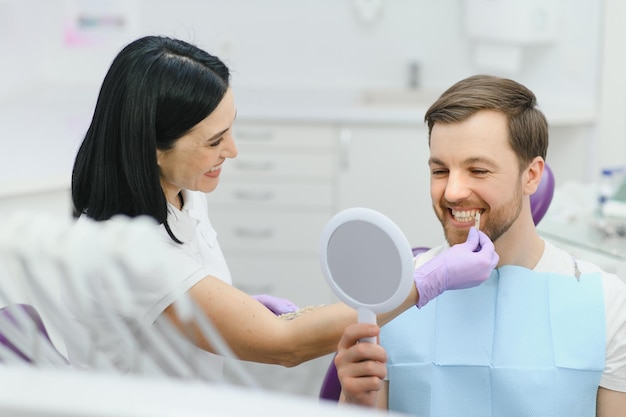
x,y
367,261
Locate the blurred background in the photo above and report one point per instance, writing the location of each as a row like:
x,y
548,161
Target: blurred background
x,y
331,96
565,51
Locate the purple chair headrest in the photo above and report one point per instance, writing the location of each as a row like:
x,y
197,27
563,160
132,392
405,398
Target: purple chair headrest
x,y
540,201
331,387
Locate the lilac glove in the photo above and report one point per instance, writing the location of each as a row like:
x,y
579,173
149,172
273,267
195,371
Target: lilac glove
x,y
464,265
276,305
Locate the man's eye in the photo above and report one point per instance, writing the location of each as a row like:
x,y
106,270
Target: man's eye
x,y
480,172
438,172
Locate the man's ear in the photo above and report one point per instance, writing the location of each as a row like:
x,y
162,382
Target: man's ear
x,y
532,175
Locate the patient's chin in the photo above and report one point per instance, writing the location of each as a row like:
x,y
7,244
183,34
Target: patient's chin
x,y
455,236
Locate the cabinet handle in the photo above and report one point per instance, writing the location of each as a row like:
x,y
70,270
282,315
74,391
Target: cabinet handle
x,y
262,195
345,138
246,232
254,165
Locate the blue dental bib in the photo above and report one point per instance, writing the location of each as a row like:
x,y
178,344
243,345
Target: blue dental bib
x,y
523,343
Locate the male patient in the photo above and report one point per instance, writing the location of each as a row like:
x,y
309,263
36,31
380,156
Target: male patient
x,y
545,335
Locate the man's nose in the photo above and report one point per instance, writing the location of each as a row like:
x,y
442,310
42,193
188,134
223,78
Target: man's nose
x,y
457,187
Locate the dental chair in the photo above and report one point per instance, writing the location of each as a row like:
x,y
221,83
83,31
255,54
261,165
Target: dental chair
x,y
539,203
13,334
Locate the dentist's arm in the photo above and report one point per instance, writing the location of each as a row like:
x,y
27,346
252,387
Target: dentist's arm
x,y
255,333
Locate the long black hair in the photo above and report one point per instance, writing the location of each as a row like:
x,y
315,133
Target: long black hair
x,y
155,91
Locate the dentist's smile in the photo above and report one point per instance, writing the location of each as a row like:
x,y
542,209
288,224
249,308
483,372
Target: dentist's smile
x,y
215,171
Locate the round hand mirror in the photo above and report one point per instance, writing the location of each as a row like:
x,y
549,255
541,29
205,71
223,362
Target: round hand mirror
x,y
367,261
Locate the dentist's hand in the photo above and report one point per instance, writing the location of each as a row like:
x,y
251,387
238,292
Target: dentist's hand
x,y
276,305
464,265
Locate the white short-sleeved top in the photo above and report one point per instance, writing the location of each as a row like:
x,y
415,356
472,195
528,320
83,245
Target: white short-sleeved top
x,y
198,256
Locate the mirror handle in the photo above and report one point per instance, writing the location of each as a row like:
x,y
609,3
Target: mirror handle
x,y
366,315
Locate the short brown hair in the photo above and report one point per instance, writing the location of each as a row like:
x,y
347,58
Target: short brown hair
x,y
528,127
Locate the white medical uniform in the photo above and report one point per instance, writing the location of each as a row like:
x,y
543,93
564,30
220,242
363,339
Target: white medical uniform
x,y
198,256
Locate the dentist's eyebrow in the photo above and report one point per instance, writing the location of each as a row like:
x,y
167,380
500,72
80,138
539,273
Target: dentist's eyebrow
x,y
217,135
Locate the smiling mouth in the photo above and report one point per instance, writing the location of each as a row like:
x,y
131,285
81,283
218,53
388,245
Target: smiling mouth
x,y
216,168
464,216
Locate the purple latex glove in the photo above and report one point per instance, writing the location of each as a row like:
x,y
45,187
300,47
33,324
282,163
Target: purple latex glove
x,y
276,305
464,265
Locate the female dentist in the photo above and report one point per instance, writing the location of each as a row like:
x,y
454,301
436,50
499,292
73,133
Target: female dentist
x,y
160,136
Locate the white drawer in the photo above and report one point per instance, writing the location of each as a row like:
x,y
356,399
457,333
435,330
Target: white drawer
x,y
266,233
260,136
264,167
251,196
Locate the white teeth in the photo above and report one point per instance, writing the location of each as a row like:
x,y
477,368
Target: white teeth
x,y
464,215
215,168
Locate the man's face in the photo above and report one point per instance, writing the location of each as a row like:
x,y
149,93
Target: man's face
x,y
473,169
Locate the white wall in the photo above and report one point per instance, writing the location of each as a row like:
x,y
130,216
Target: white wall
x,y
611,138
319,44
323,44
20,44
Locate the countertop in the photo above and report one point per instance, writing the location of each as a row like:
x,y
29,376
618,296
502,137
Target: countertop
x,y
574,221
41,129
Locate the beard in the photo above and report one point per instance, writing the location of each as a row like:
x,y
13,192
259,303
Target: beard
x,y
497,222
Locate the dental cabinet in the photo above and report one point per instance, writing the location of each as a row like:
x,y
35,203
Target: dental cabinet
x,y
272,202
271,205
288,180
385,167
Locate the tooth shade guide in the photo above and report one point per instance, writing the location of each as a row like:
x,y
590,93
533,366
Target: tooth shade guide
x,y
477,221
